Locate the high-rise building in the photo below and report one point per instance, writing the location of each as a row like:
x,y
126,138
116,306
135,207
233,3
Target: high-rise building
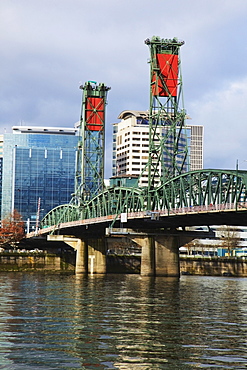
x,y
38,171
131,146
195,146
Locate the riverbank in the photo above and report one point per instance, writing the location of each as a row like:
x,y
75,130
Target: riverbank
x,y
37,261
120,264
213,266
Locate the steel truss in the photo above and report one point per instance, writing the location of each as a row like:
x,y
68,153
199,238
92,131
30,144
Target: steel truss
x,y
202,188
196,188
91,146
167,133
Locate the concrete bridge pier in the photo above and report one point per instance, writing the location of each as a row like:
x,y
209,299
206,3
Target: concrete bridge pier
x,y
97,256
90,254
166,256
81,266
148,255
160,255
81,256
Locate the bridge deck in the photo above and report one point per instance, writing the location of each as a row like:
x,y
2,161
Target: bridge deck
x,y
226,214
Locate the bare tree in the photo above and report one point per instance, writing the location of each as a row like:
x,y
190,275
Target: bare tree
x,y
230,238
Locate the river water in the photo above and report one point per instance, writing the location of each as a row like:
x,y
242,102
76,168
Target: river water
x,y
122,322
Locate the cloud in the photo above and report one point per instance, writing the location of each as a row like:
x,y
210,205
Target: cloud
x,y
223,115
50,47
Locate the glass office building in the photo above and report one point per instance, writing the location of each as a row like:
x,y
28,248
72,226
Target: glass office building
x,y
38,171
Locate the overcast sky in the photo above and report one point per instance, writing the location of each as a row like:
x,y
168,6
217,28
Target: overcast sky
x,y
50,47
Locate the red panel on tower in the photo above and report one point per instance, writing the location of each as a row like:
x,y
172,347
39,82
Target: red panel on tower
x,y
168,69
94,114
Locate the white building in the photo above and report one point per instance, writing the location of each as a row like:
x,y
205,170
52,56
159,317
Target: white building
x,y
195,145
131,145
225,235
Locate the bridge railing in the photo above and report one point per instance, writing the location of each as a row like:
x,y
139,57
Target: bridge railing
x,y
205,208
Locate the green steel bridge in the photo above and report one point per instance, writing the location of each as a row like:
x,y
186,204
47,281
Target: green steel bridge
x,y
202,197
180,197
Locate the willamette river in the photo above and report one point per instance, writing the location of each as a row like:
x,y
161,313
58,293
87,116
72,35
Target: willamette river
x,y
122,322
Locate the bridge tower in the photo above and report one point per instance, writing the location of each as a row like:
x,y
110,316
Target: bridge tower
x,y
167,134
89,179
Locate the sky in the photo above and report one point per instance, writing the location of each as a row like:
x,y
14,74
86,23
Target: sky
x,y
51,47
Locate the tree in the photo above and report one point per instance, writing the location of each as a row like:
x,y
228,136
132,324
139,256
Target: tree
x,y
12,229
230,238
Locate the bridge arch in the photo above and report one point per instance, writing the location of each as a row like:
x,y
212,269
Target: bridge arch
x,y
112,201
195,188
201,188
63,213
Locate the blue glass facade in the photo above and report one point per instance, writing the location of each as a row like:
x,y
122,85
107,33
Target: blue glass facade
x,y
37,166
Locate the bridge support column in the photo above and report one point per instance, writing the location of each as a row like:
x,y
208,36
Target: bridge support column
x,y
81,257
80,246
97,256
148,255
166,256
160,255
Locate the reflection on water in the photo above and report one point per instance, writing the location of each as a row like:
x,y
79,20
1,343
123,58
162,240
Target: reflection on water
x,y
122,322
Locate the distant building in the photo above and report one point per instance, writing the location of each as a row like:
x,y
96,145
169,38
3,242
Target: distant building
x,y
38,170
131,146
221,244
195,146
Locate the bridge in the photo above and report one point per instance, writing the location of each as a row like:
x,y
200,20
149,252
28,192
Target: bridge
x,y
202,197
197,198
155,216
